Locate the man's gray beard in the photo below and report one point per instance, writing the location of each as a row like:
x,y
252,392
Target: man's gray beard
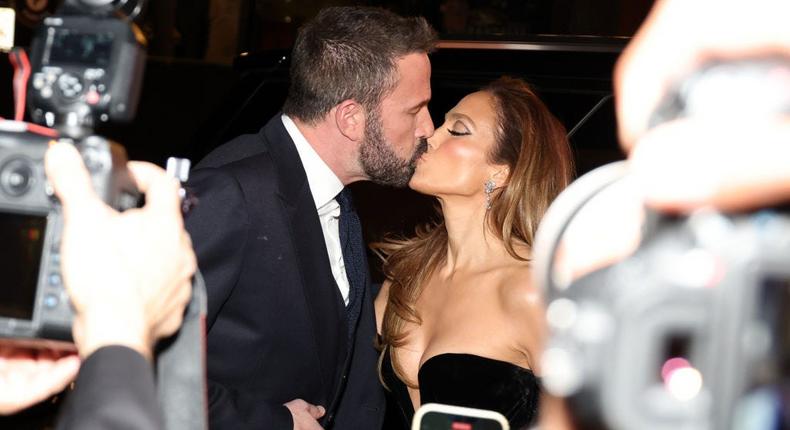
x,y
380,162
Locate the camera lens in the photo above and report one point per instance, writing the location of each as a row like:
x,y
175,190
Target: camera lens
x,y
16,177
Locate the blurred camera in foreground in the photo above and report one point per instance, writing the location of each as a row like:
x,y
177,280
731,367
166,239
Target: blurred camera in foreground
x,y
687,326
86,68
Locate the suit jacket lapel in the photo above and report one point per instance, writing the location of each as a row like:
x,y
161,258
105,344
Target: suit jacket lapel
x,y
327,310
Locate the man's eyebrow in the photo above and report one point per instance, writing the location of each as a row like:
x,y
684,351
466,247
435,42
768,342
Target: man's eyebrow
x,y
421,104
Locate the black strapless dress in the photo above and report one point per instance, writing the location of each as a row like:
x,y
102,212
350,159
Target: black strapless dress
x,y
471,381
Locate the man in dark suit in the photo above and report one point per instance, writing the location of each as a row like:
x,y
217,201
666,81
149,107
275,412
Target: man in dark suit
x,y
290,318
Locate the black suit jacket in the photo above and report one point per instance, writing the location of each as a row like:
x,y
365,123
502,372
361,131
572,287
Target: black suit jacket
x,y
277,326
115,389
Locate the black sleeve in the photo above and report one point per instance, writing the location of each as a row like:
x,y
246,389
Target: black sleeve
x,y
115,390
219,228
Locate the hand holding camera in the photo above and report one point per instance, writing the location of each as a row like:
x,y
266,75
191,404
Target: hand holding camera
x,y
145,252
81,257
736,155
686,313
128,275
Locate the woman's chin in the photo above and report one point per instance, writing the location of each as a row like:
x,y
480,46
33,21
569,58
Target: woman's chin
x,y
422,181
417,184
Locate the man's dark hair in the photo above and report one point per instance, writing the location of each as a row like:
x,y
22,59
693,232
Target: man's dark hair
x,y
351,53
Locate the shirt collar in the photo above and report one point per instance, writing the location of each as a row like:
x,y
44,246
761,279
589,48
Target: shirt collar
x,y
324,184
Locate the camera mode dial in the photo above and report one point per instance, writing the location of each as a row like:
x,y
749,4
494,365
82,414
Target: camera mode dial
x,y
16,177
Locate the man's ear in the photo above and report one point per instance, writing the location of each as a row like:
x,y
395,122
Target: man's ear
x,y
350,119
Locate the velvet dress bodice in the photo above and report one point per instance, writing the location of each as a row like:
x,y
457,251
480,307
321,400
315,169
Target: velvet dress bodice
x,y
471,381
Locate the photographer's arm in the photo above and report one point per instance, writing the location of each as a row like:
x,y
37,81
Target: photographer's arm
x,y
115,389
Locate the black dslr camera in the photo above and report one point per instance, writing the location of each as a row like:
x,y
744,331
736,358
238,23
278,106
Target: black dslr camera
x,y
691,330
87,66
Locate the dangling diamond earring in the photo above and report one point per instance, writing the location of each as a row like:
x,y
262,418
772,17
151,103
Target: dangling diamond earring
x,y
489,189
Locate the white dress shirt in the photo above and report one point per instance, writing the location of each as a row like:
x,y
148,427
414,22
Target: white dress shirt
x,y
325,186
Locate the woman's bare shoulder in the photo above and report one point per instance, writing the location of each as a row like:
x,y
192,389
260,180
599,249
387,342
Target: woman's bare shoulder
x,y
523,306
517,289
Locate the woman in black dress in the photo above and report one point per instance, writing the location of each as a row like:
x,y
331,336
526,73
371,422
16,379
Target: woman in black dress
x,y
460,319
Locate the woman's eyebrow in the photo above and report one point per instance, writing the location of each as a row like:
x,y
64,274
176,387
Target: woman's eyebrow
x,y
459,116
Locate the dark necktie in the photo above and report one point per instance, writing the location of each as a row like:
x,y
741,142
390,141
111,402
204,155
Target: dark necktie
x,y
354,256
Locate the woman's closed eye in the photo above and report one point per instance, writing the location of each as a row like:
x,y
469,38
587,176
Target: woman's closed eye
x,y
458,132
458,128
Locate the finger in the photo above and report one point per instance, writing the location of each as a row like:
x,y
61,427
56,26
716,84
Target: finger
x,y
315,411
675,39
161,190
190,265
178,287
62,372
30,385
174,314
639,76
180,297
169,326
296,404
745,165
70,179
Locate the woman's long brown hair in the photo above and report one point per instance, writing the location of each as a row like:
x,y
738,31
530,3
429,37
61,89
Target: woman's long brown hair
x,y
534,146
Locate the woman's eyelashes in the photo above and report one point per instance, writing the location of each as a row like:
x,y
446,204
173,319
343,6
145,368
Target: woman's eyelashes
x,y
457,128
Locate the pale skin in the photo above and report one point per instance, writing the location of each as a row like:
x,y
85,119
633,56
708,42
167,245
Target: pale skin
x,y
691,163
337,138
745,160
405,116
481,301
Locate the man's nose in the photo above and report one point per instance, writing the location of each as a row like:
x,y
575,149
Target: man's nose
x,y
424,124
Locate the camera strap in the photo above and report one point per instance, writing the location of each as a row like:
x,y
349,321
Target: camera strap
x,y
21,64
180,367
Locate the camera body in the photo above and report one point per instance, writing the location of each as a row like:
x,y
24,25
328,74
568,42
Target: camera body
x,y
683,333
692,329
34,305
86,68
